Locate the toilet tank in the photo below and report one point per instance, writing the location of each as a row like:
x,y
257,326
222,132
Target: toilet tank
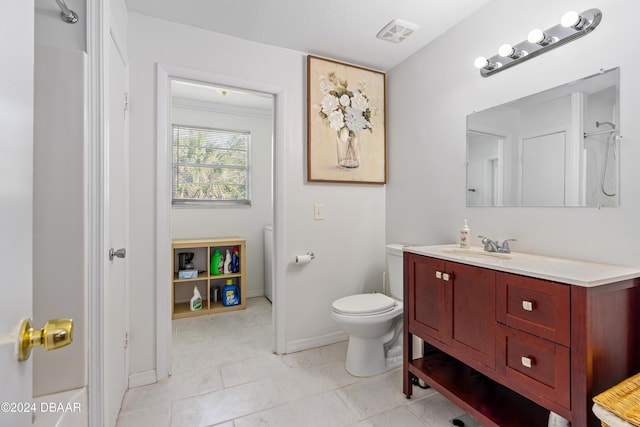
x,y
394,270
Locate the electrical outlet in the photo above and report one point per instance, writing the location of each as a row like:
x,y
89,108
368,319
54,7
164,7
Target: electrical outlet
x,y
318,211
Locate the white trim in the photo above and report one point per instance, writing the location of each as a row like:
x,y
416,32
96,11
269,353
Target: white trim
x,y
163,228
194,104
308,343
163,205
279,299
142,378
96,156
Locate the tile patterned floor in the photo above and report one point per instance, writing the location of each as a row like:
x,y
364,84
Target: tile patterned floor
x,y
224,374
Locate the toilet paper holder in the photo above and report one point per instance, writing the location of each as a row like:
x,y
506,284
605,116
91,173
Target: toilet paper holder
x,y
305,259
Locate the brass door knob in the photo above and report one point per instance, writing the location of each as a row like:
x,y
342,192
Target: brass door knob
x,y
56,333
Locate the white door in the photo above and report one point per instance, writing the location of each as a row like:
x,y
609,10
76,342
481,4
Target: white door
x,y
116,292
16,191
543,160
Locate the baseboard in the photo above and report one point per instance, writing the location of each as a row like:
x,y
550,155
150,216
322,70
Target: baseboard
x,y
255,294
142,378
309,343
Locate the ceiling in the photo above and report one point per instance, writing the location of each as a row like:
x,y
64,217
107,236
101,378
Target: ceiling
x,y
343,30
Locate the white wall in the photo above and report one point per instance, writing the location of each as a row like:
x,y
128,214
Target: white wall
x,y
349,243
50,30
246,221
432,92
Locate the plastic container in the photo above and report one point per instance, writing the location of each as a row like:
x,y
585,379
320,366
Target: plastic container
x,y
215,262
188,274
227,263
235,260
465,236
230,294
196,300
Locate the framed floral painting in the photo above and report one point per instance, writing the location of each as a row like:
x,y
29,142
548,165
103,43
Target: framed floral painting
x,y
346,139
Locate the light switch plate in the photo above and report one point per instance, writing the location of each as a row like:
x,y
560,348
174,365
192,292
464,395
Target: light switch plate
x,y
318,211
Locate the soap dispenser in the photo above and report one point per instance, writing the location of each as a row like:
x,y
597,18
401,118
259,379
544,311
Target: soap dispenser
x,y
465,236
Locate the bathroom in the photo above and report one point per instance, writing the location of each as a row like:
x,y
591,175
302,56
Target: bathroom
x,y
429,96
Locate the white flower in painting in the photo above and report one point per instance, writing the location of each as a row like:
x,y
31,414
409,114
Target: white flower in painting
x,y
329,104
325,86
336,120
359,101
355,121
345,100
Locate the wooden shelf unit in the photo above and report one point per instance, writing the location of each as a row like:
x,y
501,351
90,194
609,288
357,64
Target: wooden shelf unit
x,y
204,250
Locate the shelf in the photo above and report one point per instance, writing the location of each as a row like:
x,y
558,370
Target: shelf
x,y
201,276
203,251
225,276
181,309
490,403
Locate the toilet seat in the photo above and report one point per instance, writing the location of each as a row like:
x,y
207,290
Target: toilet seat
x,y
364,304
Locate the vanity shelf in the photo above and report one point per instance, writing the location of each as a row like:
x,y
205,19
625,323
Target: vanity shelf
x,y
490,402
182,289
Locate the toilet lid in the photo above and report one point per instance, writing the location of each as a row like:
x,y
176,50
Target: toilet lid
x,y
364,304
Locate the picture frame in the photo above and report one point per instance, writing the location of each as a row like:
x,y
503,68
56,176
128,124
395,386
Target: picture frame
x,y
346,123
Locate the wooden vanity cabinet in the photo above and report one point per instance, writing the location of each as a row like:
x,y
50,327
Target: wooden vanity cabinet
x,y
463,322
508,348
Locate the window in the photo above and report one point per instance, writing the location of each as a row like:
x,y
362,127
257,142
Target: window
x,y
210,166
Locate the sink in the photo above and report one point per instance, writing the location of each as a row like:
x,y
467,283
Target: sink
x,y
477,253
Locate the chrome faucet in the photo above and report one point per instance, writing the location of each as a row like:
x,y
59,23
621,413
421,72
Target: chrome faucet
x,y
489,245
495,246
504,248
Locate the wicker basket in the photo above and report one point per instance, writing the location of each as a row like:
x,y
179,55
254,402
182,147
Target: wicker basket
x,y
623,400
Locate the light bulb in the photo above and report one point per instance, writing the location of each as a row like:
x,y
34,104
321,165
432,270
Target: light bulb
x,y
535,36
481,62
506,50
570,19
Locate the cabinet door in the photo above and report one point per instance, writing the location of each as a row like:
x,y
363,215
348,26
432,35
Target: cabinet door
x,y
470,293
427,312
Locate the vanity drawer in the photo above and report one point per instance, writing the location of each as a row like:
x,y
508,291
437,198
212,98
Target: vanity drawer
x,y
536,367
536,306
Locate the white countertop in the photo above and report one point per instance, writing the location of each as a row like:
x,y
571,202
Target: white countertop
x,y
561,270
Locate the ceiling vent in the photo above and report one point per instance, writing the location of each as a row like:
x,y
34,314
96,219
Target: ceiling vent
x,y
397,30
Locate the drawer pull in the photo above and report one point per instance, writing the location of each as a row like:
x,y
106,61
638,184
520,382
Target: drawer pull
x,y
438,274
526,361
445,276
527,305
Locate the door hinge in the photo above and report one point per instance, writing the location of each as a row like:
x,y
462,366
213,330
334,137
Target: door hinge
x,y
126,339
126,101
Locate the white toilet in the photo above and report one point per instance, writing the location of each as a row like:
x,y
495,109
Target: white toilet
x,y
374,323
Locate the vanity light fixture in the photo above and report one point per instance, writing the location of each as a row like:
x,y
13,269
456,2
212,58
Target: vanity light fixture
x,y
572,26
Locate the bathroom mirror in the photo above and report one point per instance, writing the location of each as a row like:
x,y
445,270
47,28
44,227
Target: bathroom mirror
x,y
559,147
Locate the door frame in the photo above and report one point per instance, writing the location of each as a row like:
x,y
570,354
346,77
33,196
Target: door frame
x,y
164,73
97,206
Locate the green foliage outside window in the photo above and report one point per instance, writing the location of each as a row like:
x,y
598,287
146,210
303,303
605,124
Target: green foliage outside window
x,y
210,164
